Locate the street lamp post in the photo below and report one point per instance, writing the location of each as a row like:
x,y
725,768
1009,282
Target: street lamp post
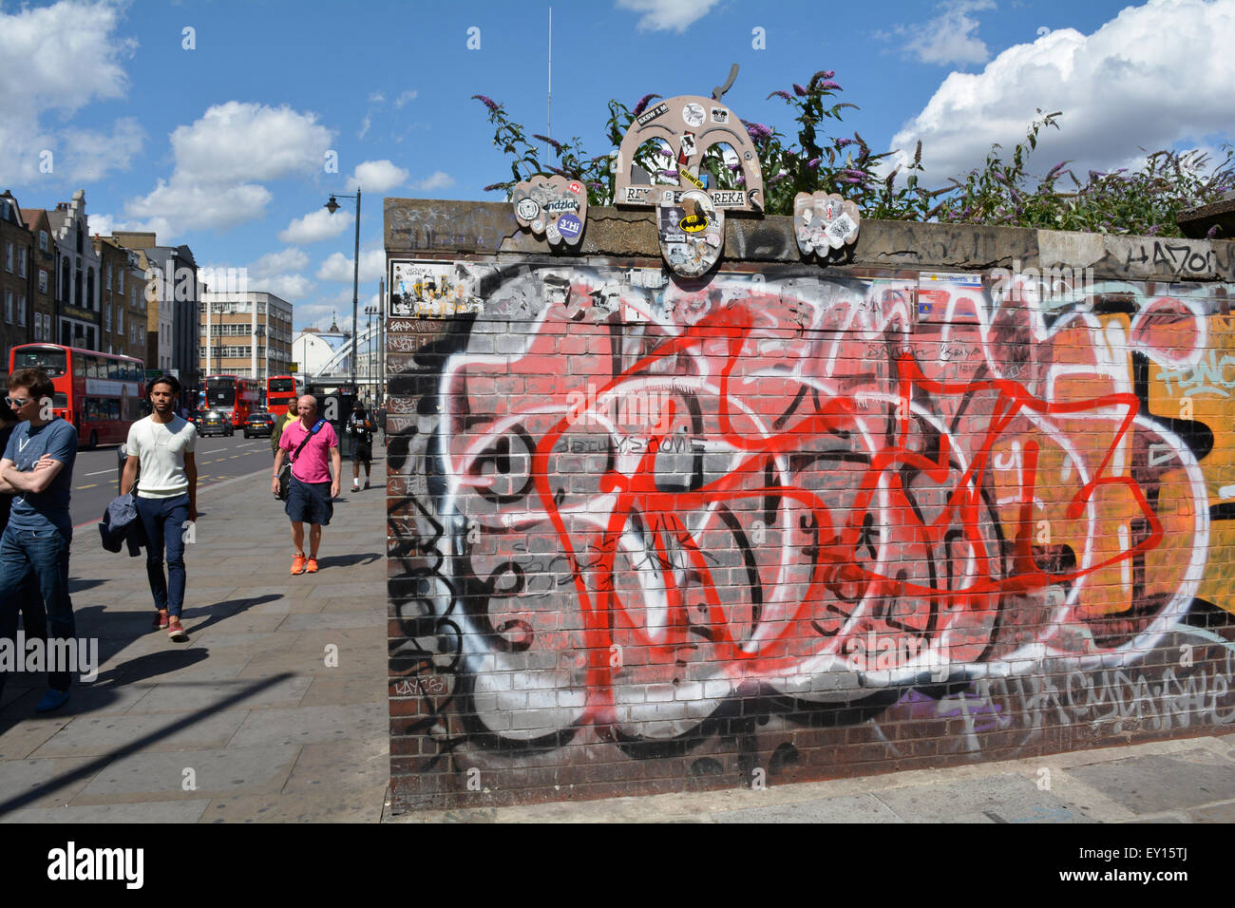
x,y
332,206
370,375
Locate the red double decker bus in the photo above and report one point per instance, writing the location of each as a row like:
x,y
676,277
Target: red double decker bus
x,y
100,393
282,391
233,395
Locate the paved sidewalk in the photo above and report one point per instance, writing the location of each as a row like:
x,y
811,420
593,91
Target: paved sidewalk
x,y
1182,781
253,720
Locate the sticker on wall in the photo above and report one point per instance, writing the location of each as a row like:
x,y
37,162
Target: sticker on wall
x,y
691,231
553,206
434,289
685,128
823,222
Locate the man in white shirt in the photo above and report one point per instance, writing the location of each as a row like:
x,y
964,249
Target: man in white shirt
x,y
166,500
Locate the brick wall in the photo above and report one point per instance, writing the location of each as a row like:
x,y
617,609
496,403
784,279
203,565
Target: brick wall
x,y
792,522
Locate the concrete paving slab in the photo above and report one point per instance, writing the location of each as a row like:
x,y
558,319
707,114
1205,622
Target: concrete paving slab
x,y
358,763
92,736
864,808
360,805
1216,813
215,773
330,621
40,783
157,812
1154,784
27,735
241,693
1005,798
313,724
339,690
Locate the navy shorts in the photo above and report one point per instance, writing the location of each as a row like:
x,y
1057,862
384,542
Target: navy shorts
x,y
309,502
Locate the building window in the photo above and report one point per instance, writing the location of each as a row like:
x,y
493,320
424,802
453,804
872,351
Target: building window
x,y
8,307
120,280
120,318
8,256
21,310
42,281
109,275
107,319
21,262
42,241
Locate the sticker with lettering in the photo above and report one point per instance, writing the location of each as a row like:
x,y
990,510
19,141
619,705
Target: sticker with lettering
x,y
542,202
650,115
691,232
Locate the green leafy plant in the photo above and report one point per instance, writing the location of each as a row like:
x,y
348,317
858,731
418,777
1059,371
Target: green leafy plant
x,y
1001,192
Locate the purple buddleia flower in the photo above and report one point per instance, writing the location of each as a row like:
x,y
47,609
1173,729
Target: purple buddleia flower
x,y
841,143
643,104
1212,232
672,174
854,180
855,174
829,86
799,90
493,186
741,180
757,131
813,163
781,94
734,166
596,186
1152,231
776,179
557,146
487,102
823,74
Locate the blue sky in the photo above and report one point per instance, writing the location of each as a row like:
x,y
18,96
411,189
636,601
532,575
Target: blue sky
x,y
223,145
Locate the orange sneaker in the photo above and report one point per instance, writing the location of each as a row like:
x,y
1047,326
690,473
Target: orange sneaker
x,y
311,567
298,563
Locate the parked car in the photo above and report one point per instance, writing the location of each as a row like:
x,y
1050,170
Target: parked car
x,y
216,423
258,424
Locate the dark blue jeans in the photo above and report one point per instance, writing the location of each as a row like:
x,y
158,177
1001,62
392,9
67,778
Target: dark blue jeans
x,y
164,520
43,557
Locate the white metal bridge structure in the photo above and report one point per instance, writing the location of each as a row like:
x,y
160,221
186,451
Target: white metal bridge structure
x,y
337,370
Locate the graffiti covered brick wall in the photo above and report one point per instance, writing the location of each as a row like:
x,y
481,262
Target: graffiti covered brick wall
x,y
796,523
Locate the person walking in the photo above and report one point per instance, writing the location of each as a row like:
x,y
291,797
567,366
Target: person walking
x,y
317,468
37,467
361,428
161,448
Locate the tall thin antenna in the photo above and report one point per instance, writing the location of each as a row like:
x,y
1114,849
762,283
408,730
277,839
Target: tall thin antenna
x,y
549,133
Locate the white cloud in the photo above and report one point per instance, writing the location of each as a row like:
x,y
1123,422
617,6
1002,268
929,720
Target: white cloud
x,y
661,15
107,224
59,59
191,205
1153,76
949,37
315,226
290,287
272,263
91,155
409,95
437,180
221,159
247,142
376,176
339,267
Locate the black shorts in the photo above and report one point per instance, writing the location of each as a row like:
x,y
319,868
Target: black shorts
x,y
362,453
309,502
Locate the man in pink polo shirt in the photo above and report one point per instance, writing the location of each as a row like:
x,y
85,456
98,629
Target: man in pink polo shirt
x,y
312,489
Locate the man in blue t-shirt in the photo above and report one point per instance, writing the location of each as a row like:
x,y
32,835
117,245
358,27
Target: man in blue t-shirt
x,y
37,468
